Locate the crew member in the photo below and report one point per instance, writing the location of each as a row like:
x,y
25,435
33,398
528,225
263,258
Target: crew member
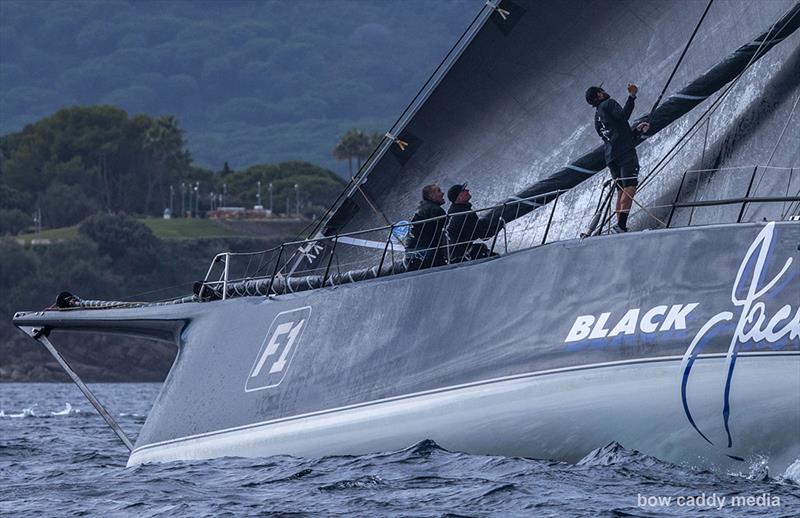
x,y
464,227
425,246
611,123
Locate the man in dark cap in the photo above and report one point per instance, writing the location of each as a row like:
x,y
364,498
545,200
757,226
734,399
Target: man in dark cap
x,y
464,227
425,246
611,123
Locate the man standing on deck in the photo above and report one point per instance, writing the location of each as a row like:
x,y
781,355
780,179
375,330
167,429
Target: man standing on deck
x,y
425,246
611,123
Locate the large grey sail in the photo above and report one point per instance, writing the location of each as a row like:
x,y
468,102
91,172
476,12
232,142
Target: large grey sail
x,y
674,107
509,111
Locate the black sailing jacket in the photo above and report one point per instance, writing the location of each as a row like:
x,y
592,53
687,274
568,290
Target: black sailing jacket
x,y
611,123
426,235
463,229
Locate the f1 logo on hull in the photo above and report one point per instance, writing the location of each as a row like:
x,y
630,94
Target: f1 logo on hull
x,y
278,349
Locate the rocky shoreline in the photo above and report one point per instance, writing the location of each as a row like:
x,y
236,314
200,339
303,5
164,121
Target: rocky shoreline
x,y
94,358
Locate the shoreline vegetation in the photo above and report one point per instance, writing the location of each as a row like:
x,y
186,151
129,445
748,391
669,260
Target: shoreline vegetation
x,y
115,111
250,82
83,195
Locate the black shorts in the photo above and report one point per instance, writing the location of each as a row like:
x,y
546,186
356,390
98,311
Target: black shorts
x,y
625,171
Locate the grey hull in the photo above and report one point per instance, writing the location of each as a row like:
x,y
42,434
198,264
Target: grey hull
x,y
682,343
551,415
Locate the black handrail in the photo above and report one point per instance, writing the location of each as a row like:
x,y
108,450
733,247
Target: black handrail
x,y
731,201
744,200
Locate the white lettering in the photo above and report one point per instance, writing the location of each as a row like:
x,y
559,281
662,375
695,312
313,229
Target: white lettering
x,y
599,330
653,500
753,311
647,325
281,363
272,347
627,324
581,328
676,318
712,501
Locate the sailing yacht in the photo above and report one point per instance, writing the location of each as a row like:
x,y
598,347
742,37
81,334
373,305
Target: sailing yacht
x,y
680,339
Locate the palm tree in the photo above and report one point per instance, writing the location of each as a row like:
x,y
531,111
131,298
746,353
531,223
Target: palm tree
x,y
368,145
352,145
164,141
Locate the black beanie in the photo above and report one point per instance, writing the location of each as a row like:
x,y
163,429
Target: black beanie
x,y
591,95
454,191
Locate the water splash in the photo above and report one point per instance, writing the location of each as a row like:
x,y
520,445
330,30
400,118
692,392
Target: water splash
x,y
792,473
33,411
26,412
67,410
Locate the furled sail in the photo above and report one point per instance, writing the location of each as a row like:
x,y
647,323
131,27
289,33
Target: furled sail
x,y
676,106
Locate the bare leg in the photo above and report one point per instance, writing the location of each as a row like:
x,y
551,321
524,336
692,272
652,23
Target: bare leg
x,y
624,202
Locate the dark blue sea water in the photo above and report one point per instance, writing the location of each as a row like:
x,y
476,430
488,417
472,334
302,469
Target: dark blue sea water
x,y
58,458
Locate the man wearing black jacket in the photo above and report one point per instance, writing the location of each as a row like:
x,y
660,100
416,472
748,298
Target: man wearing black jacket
x,y
425,245
464,226
611,123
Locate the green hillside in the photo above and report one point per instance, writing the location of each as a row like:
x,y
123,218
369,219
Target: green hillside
x,y
251,81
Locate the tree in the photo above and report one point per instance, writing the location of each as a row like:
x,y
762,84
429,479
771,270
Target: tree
x,y
164,141
352,145
65,205
14,199
318,187
120,164
129,244
13,221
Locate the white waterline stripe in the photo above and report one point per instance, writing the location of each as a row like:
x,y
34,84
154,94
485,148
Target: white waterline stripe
x,y
412,395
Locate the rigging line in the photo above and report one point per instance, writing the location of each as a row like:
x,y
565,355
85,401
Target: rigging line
x,y
792,206
682,141
372,204
680,59
718,101
784,212
666,158
780,137
127,297
705,146
775,148
399,119
648,212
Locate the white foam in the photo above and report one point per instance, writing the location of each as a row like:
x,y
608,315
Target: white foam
x,y
26,412
67,410
30,412
793,472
